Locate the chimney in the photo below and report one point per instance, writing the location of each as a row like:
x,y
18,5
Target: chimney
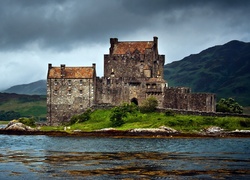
x,y
49,65
113,41
62,70
93,65
155,41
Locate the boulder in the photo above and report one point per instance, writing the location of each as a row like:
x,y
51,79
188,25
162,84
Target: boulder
x,y
213,129
155,130
17,126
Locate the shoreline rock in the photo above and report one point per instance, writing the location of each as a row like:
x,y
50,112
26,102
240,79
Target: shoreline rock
x,y
15,125
16,128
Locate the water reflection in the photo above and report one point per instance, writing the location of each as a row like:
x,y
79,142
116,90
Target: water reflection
x,y
39,157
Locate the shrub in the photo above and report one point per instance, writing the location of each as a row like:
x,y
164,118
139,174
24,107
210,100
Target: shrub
x,y
81,117
149,105
245,123
117,116
85,116
120,112
229,105
169,113
27,121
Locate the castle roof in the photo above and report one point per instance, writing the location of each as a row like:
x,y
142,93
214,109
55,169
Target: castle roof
x,y
71,72
124,47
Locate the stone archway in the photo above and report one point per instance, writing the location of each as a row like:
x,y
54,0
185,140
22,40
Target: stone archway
x,y
135,101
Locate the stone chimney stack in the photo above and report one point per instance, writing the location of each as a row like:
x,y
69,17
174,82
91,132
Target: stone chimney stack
x,y
62,70
49,66
113,41
155,41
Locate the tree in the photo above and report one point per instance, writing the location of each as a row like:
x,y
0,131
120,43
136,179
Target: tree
x,y
149,105
120,112
117,116
79,118
229,105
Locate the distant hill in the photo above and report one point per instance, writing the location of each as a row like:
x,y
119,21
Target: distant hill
x,y
35,88
25,105
224,70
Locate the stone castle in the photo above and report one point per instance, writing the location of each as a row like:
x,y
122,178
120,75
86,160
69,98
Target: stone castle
x,y
133,71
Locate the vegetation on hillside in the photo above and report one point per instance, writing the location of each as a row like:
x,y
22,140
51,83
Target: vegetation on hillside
x,y
34,88
14,106
229,105
9,115
223,70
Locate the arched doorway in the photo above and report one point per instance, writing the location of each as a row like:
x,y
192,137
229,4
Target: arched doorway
x,y
135,101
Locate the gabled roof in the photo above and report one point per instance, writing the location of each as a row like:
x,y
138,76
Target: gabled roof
x,y
124,47
71,72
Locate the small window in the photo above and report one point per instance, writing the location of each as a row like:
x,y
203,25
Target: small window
x,y
55,106
69,106
69,92
81,92
69,82
81,106
56,83
55,92
80,81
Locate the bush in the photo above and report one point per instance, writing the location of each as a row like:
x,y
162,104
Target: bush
x,y
27,121
117,116
81,117
149,105
85,116
229,105
245,123
120,112
169,113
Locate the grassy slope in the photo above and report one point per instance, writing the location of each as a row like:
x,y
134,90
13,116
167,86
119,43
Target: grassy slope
x,y
24,104
223,70
100,119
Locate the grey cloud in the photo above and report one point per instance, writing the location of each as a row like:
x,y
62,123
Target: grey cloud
x,y
63,25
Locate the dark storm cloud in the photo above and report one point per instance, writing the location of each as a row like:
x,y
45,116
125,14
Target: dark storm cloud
x,y
64,24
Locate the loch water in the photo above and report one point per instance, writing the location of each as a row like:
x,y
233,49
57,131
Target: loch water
x,y
46,157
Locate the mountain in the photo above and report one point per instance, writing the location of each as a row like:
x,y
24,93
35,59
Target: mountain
x,y
223,69
38,88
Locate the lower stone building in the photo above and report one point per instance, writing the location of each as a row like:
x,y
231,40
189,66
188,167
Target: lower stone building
x,y
70,90
133,71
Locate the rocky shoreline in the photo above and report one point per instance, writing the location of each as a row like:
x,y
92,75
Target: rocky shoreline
x,y
16,128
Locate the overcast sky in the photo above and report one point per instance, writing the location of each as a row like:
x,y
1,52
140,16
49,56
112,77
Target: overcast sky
x,y
34,33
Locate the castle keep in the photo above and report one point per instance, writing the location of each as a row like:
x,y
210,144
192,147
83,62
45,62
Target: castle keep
x,y
133,71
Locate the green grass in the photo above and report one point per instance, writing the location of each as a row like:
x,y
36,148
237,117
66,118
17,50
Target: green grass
x,y
26,109
186,123
4,122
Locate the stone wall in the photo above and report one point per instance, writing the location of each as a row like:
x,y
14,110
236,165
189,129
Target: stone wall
x,y
182,98
66,97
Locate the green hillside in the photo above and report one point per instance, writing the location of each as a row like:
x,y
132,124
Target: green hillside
x,y
34,88
224,70
25,105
